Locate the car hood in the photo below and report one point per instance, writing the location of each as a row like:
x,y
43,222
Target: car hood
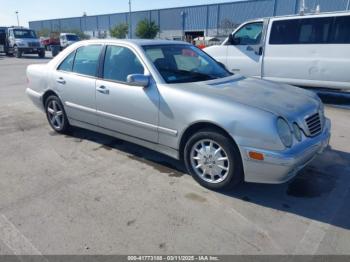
x,y
280,99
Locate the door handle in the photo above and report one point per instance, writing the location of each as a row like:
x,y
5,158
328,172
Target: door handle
x,y
61,81
102,90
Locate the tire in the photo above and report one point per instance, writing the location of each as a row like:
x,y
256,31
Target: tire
x,y
56,115
17,53
42,54
225,165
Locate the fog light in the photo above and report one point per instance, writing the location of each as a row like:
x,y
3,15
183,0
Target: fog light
x,y
256,156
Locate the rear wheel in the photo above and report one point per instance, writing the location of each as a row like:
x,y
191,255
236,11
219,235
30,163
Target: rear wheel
x,y
56,115
42,54
213,160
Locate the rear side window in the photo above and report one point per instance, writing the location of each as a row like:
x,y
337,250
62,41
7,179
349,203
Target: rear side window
x,y
67,64
87,59
121,62
301,31
341,30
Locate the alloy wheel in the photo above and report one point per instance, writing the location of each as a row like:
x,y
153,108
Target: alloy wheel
x,y
210,161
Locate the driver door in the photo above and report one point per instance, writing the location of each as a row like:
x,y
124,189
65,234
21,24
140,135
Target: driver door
x,y
244,51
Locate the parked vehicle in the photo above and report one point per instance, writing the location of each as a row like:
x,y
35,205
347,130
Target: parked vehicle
x,y
175,99
3,39
53,39
23,41
310,50
67,39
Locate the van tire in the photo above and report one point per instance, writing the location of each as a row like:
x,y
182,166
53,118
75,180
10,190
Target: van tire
x,y
17,53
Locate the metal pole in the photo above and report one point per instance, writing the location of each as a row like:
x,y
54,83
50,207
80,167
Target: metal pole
x,y
130,21
274,7
348,6
17,18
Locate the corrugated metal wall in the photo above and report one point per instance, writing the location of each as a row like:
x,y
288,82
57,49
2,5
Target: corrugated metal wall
x,y
192,18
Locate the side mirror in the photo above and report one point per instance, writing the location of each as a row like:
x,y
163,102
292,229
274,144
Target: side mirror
x,y
233,41
222,65
230,39
138,80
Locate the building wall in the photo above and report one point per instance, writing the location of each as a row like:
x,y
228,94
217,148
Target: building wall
x,y
173,22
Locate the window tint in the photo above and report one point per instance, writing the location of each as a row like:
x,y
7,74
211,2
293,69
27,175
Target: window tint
x,y
341,30
121,62
302,31
86,60
67,64
249,34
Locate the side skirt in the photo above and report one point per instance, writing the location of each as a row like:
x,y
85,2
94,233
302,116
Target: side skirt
x,y
171,152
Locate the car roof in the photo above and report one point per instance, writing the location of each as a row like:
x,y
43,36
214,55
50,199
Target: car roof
x,y
138,42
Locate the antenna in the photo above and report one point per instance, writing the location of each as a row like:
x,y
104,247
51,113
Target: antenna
x,y
318,9
302,7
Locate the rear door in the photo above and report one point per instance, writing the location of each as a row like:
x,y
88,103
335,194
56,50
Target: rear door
x,y
75,79
244,53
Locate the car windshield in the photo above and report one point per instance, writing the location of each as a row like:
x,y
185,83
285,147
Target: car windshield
x,y
22,33
72,38
184,63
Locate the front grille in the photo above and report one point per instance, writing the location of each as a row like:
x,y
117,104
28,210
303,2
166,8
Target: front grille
x,y
33,44
314,124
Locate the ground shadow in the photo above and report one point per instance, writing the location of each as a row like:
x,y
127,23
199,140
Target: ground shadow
x,y
303,196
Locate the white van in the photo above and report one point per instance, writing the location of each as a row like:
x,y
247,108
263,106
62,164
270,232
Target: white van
x,y
311,50
67,39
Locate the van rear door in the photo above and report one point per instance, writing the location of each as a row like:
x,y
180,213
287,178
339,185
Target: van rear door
x,y
309,51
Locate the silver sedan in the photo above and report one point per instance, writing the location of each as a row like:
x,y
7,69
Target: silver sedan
x,y
173,98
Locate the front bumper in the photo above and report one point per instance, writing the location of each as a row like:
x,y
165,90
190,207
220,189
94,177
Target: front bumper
x,y
31,50
280,166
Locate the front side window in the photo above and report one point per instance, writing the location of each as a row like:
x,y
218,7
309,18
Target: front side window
x,y
184,63
22,33
67,64
119,63
87,59
249,34
72,37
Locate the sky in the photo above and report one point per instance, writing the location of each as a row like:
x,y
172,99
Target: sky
x,y
31,10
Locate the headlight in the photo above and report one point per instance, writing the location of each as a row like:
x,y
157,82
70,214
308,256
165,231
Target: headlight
x,y
284,132
297,132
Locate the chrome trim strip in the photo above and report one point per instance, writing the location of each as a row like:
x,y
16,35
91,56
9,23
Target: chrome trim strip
x,y
124,119
167,131
128,120
79,107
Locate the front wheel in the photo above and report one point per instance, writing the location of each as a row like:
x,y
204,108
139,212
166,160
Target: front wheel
x,y
56,115
17,52
213,160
